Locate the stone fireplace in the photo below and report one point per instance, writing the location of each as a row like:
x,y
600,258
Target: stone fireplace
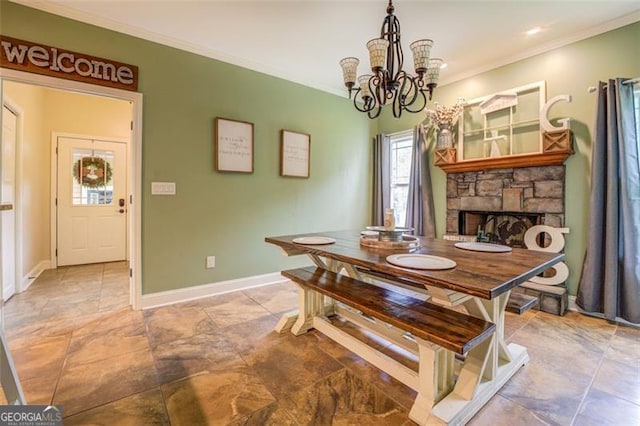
x,y
533,195
503,204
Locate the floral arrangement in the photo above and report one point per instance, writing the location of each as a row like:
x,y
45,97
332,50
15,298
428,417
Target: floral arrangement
x,y
444,115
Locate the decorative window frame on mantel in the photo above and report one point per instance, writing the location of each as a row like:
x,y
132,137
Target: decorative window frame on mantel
x,y
510,120
505,130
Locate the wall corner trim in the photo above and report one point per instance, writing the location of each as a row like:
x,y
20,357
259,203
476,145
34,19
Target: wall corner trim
x,y
170,297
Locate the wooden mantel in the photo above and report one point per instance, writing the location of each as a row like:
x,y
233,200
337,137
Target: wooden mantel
x,y
556,147
555,158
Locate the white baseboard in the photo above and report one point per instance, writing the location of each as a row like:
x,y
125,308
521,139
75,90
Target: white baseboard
x,y
34,273
572,304
170,297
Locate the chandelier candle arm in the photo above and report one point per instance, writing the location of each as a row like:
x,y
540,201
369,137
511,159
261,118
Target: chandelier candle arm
x,y
389,83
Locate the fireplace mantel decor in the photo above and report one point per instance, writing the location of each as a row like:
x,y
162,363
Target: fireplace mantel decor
x,y
509,129
445,158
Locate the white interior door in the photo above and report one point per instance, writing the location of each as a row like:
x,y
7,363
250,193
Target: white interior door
x,y
7,196
91,201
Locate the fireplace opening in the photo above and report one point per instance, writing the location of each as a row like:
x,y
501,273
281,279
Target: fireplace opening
x,y
499,227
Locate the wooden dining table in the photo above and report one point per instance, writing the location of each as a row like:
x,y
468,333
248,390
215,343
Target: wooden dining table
x,y
479,285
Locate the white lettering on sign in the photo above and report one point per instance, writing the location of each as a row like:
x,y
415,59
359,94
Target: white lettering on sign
x,y
555,246
30,57
544,115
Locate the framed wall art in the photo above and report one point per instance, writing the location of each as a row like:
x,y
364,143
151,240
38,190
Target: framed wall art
x,y
295,150
233,145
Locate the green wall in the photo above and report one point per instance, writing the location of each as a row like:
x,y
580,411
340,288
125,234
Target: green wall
x,y
226,215
567,70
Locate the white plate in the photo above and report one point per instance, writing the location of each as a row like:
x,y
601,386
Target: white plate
x,y
493,248
314,240
421,261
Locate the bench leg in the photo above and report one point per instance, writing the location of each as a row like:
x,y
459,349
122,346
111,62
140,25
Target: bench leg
x,y
310,304
435,379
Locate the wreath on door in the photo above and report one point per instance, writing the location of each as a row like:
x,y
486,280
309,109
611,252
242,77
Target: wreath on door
x,y
92,172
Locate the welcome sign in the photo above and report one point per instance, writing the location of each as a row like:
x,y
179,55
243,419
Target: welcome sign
x,y
35,58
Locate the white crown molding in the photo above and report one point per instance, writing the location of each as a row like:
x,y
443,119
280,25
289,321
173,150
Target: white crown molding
x,y
555,44
87,18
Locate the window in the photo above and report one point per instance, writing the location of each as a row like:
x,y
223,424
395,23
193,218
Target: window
x,y
92,177
506,123
401,146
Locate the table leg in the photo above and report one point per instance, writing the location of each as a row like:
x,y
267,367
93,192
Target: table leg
x,y
435,380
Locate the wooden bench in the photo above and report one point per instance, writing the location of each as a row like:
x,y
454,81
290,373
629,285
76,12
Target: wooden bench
x,y
444,327
434,333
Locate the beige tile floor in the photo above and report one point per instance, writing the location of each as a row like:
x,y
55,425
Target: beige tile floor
x,y
217,361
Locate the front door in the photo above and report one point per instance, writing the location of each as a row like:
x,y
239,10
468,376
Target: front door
x,y
91,201
7,196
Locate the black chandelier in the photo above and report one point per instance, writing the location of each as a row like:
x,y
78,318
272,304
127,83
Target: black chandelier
x,y
390,84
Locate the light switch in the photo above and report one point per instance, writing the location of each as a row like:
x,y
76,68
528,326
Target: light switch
x,y
163,188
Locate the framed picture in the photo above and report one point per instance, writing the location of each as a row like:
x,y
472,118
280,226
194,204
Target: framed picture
x,y
295,150
233,145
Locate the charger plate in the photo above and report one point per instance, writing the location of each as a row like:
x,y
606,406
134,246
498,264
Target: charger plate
x,y
488,247
421,261
314,240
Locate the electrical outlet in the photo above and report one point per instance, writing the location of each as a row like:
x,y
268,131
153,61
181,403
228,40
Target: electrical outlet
x,y
211,262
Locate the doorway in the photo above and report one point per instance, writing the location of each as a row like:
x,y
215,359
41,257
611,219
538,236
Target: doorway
x,y
90,200
132,154
8,198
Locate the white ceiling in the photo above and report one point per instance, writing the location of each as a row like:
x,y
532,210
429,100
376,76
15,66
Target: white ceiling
x,y
303,40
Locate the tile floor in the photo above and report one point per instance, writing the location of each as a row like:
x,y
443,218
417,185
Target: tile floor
x,y
217,361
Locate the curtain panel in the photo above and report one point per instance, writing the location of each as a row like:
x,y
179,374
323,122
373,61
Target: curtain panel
x,y
420,210
611,271
381,178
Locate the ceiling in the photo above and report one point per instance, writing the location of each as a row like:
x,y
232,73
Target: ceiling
x,y
303,40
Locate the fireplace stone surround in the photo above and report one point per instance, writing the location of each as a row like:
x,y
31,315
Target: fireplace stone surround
x,y
538,191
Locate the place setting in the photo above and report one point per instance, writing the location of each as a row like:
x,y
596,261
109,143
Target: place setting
x,y
483,247
421,261
314,240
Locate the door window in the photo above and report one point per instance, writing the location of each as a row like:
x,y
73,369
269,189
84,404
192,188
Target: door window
x,y
92,177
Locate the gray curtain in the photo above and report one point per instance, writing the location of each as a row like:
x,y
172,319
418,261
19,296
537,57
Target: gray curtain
x,y
611,271
381,178
420,209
